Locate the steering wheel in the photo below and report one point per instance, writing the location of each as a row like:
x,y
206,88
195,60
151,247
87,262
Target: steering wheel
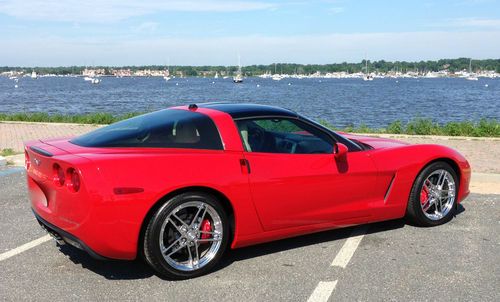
x,y
143,135
256,138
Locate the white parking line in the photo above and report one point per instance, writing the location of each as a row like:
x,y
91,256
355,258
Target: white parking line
x,y
323,291
24,247
347,251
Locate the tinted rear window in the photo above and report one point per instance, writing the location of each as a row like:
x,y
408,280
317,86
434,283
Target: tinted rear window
x,y
169,128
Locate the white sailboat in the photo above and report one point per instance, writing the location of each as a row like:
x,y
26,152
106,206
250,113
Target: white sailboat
x,y
34,75
238,78
472,76
166,75
367,76
216,75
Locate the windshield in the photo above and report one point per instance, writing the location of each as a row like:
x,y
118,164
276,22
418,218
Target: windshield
x,y
170,128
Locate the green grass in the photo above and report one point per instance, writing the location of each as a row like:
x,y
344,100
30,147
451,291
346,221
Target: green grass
x,y
91,118
419,126
8,152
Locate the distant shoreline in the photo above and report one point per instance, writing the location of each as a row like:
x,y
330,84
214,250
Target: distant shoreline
x,y
456,67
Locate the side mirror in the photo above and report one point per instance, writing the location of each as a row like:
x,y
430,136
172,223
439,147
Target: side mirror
x,y
340,150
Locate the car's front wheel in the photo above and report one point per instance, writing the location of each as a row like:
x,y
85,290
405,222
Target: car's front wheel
x,y
433,195
186,236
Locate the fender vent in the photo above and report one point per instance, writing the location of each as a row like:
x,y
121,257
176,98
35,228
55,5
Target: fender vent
x,y
389,188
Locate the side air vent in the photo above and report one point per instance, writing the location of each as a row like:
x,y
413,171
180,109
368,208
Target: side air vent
x,y
389,188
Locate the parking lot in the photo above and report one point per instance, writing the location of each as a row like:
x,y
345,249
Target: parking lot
x,y
393,261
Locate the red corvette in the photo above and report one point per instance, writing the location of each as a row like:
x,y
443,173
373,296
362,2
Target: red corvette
x,y
180,185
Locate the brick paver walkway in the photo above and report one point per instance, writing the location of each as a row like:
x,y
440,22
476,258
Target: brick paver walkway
x,y
483,154
12,135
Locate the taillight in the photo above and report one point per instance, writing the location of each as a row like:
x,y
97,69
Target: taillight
x,y
58,175
27,160
74,183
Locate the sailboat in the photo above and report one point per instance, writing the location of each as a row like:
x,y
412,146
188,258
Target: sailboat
x,y
367,76
166,75
471,77
238,78
34,75
216,75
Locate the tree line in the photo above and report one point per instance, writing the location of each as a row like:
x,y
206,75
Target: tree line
x,y
383,66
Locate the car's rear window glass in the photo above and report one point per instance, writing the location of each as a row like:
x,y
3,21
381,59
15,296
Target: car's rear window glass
x,y
170,128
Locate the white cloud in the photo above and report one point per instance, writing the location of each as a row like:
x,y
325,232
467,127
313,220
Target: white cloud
x,y
409,46
477,22
336,10
146,27
469,22
96,11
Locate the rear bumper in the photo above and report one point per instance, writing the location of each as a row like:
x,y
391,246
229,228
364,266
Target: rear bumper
x,y
63,237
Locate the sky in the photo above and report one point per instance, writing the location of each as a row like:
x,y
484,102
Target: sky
x,y
215,32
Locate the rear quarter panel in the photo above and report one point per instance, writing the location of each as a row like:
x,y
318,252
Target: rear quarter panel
x,y
160,173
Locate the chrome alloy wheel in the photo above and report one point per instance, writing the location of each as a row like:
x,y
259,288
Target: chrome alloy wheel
x,y
437,194
191,236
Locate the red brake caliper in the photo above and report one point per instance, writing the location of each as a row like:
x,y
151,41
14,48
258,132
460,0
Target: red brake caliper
x,y
424,195
206,226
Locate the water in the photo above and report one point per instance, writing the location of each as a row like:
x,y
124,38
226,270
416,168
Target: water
x,y
341,102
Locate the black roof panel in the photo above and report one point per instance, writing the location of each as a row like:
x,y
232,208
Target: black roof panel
x,y
242,110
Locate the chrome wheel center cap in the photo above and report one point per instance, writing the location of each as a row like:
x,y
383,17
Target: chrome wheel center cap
x,y
192,235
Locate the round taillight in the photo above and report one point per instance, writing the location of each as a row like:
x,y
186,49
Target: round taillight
x,y
27,160
74,184
59,177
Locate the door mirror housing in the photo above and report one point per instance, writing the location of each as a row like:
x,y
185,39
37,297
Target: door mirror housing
x,y
340,150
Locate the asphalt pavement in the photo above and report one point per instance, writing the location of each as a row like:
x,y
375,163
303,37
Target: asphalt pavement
x,y
388,261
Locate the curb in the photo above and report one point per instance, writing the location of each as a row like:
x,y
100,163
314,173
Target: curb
x,y
47,123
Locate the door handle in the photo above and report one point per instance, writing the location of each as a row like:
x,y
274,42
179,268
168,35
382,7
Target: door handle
x,y
245,166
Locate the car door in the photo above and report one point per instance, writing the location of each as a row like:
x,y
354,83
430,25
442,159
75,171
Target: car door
x,y
295,179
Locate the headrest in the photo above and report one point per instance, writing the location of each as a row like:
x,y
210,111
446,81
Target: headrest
x,y
185,133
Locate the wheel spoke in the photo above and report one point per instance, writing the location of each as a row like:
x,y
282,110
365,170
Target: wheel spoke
x,y
203,208
180,220
208,233
209,240
428,185
427,204
164,250
175,251
202,217
190,256
437,202
443,177
196,254
176,226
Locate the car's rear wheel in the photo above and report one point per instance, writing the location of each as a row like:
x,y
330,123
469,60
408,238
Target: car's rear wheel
x,y
433,195
186,236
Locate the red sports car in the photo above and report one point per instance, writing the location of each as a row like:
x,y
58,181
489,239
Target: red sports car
x,y
180,185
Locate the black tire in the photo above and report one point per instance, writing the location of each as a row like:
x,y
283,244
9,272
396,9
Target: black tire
x,y
414,211
151,244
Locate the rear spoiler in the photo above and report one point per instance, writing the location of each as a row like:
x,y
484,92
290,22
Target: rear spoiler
x,y
41,151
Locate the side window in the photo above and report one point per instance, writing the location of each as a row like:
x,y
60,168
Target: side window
x,y
279,135
169,128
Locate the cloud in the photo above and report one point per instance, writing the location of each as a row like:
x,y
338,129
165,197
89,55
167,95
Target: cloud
x,y
254,49
336,10
100,11
469,22
146,27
